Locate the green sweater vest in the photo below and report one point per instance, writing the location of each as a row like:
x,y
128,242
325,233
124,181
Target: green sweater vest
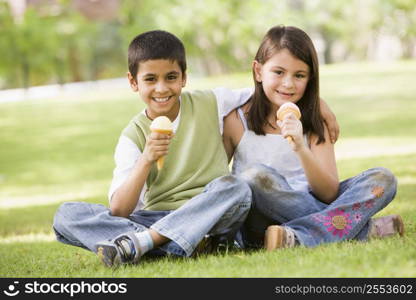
x,y
196,153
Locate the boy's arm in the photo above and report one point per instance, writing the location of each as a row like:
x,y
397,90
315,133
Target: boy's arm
x,y
125,156
124,199
330,120
228,100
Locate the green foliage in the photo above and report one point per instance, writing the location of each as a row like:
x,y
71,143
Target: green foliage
x,y
61,150
400,20
56,44
23,48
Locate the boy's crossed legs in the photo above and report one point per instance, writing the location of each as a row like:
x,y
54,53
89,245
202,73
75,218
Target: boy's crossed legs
x,y
219,210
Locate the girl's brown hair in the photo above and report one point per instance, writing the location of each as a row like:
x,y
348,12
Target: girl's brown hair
x,y
299,45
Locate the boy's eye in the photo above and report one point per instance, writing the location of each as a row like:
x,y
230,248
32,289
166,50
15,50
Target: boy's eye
x,y
172,77
278,72
149,79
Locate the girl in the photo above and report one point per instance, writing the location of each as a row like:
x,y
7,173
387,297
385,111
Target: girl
x,y
295,183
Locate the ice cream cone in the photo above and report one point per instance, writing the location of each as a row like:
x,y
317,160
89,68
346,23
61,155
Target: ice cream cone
x,y
285,110
163,125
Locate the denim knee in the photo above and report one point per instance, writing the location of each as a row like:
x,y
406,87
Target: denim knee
x,y
263,178
64,211
245,190
239,186
254,169
384,177
382,184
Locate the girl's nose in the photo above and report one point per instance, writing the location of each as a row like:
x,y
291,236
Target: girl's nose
x,y
287,82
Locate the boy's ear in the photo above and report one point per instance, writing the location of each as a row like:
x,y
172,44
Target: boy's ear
x,y
184,79
133,82
257,70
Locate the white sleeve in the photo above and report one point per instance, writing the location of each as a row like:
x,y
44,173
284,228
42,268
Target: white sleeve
x,y
228,99
125,157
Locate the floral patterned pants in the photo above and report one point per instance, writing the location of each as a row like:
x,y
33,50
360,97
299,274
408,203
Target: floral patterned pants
x,y
312,221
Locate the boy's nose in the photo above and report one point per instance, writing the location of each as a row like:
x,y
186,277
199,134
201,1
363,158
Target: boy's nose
x,y
161,87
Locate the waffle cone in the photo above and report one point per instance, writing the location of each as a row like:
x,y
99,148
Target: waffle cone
x,y
286,109
161,160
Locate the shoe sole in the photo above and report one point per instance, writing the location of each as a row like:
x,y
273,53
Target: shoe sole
x,y
398,224
106,255
274,238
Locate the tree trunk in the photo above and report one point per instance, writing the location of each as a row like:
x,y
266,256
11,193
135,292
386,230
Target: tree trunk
x,y
25,74
328,50
74,68
408,46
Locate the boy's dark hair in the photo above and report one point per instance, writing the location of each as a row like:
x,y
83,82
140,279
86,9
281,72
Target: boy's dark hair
x,y
299,45
156,44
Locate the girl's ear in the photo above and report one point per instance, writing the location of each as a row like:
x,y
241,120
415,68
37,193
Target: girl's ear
x,y
133,82
257,70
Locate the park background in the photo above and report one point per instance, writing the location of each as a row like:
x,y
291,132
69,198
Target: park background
x,y
63,105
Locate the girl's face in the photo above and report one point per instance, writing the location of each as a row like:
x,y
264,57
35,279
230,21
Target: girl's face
x,y
284,77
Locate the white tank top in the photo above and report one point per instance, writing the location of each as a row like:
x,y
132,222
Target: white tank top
x,y
271,150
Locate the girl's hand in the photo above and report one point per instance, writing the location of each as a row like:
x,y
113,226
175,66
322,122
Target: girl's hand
x,y
157,145
292,127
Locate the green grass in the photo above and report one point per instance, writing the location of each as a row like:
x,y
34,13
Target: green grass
x,y
57,150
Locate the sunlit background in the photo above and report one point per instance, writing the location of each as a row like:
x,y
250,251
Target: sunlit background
x,y
64,100
59,41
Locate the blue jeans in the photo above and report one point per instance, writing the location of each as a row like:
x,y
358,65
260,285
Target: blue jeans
x,y
312,221
219,210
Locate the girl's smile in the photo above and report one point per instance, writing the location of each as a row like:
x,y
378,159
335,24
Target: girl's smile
x,y
284,95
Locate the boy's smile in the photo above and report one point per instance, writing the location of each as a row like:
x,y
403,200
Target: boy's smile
x,y
159,83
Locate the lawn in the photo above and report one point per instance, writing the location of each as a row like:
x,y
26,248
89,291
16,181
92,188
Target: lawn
x,y
57,150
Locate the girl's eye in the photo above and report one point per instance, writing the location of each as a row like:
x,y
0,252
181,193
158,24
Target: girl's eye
x,y
300,76
279,72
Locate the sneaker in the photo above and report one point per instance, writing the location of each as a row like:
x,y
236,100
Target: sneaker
x,y
277,237
224,244
215,244
386,226
124,249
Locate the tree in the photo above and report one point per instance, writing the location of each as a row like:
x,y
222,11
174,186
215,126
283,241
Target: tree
x,y
399,19
27,57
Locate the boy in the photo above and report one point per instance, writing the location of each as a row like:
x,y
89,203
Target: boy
x,y
157,71
177,212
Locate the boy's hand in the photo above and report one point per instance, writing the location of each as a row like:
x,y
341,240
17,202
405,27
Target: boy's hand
x,y
157,145
330,120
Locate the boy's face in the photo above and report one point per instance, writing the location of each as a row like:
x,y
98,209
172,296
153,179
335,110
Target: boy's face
x,y
159,83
